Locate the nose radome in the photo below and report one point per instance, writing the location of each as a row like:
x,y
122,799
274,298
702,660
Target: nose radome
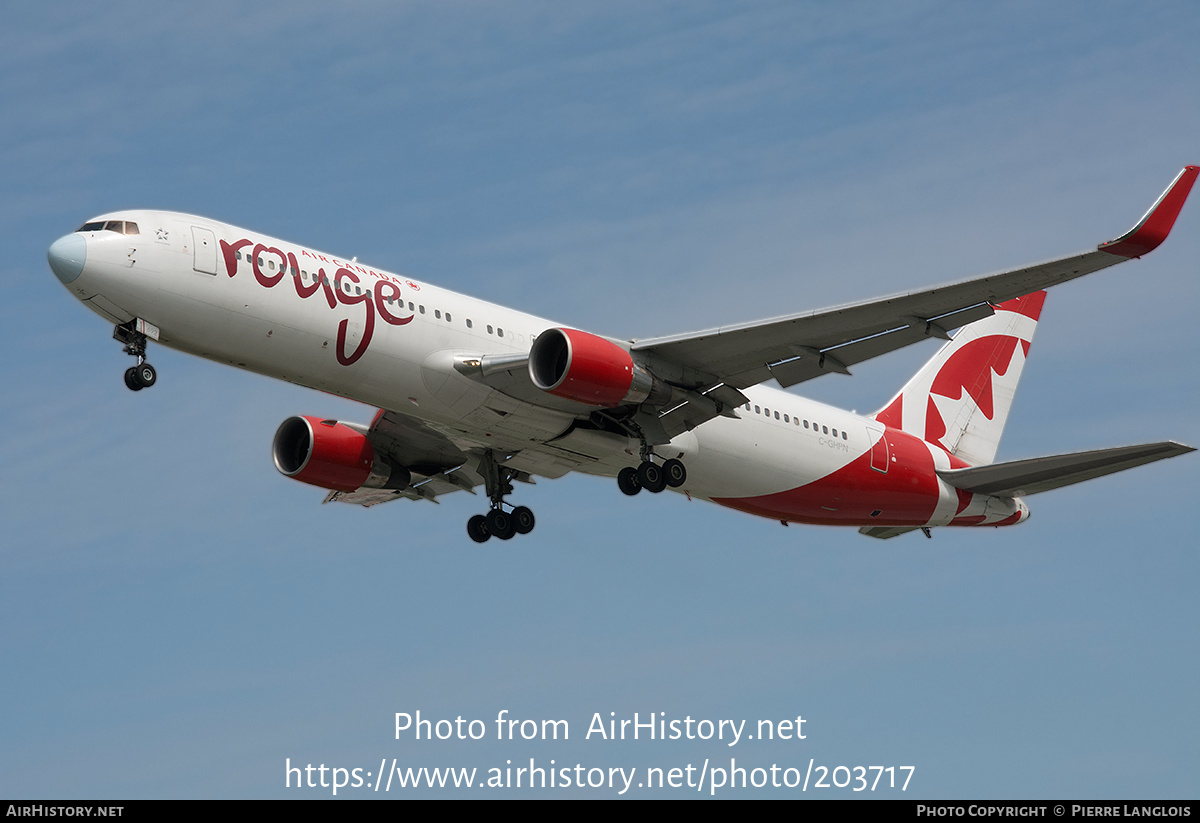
x,y
67,256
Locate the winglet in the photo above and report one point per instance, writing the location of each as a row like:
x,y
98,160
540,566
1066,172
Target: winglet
x,y
1154,227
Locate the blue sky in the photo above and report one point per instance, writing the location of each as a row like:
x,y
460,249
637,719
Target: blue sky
x,y
178,619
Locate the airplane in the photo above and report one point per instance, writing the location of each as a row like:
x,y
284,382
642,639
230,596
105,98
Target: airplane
x,y
473,394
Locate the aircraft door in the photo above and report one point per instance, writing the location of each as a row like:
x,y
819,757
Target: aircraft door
x,y
879,448
204,245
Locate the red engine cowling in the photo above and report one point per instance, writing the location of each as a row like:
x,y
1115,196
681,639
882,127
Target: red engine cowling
x,y
332,455
580,366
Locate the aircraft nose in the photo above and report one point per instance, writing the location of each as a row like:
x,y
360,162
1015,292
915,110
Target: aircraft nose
x,y
67,256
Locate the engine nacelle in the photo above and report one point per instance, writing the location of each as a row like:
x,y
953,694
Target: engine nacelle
x,y
580,366
332,455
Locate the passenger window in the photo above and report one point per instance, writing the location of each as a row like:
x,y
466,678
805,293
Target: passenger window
x,y
437,313
843,434
490,330
835,432
806,424
447,317
422,309
785,419
410,306
757,410
825,429
499,332
470,325
766,411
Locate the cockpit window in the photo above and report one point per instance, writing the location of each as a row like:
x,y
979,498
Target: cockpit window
x,y
119,226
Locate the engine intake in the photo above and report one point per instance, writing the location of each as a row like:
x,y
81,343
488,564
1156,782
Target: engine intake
x,y
333,455
580,366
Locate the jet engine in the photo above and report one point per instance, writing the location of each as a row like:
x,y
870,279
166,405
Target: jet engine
x,y
333,455
580,366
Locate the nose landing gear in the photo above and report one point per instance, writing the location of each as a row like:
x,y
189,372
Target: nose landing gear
x,y
143,375
140,377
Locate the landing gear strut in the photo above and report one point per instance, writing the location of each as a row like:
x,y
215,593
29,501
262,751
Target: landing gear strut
x,y
498,522
143,375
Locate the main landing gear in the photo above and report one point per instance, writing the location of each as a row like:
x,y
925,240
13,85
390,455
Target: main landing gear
x,y
651,476
143,375
498,522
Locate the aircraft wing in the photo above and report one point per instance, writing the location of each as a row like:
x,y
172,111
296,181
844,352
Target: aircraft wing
x,y
799,347
423,488
706,370
437,465
1021,478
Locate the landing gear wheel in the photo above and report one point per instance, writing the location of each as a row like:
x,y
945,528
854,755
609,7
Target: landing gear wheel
x,y
651,477
501,524
627,480
477,529
675,473
131,379
145,375
522,519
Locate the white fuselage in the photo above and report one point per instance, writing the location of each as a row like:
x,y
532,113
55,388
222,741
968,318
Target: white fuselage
x,y
285,311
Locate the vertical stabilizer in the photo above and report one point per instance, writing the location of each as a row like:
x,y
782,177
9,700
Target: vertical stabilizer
x,y
960,399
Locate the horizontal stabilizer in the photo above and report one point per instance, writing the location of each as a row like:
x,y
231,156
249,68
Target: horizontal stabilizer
x,y
884,532
1021,478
